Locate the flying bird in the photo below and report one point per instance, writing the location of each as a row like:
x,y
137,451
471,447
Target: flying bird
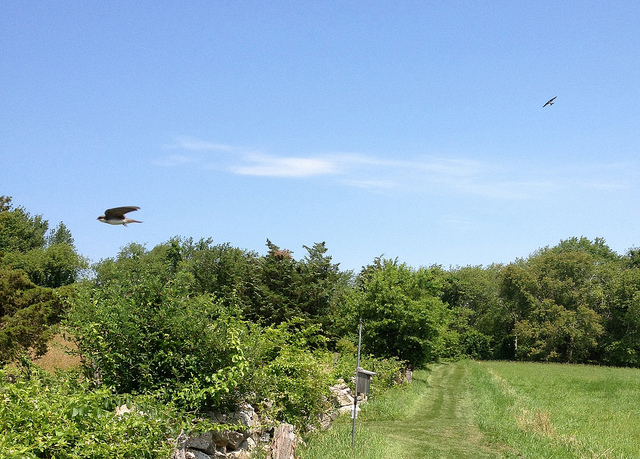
x,y
549,102
116,216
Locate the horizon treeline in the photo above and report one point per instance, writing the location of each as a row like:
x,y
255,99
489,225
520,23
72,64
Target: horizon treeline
x,y
576,302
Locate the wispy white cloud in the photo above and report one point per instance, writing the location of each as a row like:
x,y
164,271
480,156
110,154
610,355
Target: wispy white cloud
x,y
461,176
273,166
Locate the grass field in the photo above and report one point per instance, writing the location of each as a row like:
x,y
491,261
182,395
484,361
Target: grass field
x,y
554,410
496,410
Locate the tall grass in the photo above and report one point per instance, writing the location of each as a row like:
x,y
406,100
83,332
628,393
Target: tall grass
x,y
559,411
336,443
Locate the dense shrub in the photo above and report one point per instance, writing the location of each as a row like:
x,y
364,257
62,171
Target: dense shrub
x,y
58,417
388,371
142,339
297,382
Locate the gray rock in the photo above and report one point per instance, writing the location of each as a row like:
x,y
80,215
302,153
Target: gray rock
x,y
196,454
202,442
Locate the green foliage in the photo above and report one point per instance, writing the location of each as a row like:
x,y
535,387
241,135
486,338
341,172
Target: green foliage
x,y
632,258
476,345
228,272
50,260
298,381
283,377
289,288
621,341
19,231
60,235
53,266
27,313
554,300
597,249
402,313
140,330
45,416
472,293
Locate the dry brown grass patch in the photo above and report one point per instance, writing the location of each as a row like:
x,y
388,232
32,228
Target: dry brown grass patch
x,y
57,356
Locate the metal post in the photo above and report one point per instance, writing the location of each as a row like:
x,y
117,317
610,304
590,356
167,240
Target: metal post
x,y
355,396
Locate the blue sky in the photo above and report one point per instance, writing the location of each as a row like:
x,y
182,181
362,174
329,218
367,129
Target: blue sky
x,y
413,129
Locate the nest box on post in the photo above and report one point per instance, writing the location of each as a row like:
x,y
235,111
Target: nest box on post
x,y
363,380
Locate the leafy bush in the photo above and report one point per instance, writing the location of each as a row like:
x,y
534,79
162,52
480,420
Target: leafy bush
x,y
387,371
284,379
476,345
143,338
298,382
46,417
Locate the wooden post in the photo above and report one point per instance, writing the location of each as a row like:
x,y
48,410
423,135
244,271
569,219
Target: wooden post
x,y
283,445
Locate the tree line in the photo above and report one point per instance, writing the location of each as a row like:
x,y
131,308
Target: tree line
x,y
576,302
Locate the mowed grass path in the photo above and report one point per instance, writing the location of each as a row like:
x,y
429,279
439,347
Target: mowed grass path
x,y
433,417
440,422
497,410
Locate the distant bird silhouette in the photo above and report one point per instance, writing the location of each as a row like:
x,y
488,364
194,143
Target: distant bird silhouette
x,y
116,216
549,102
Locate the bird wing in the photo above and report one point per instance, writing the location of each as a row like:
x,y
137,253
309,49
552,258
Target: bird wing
x,y
118,212
549,101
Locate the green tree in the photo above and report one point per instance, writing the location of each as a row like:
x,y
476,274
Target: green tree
x,y
30,260
60,235
555,299
53,266
517,301
402,313
598,249
320,281
289,289
632,258
229,273
50,260
621,342
27,313
19,231
472,295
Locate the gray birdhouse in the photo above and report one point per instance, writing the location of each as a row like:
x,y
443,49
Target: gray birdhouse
x,y
363,380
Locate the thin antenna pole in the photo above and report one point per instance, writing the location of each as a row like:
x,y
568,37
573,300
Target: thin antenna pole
x,y
355,396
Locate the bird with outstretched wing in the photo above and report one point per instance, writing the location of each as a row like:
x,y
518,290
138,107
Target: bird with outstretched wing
x,y
549,102
116,216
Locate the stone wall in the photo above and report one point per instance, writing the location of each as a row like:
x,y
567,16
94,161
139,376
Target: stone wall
x,y
231,444
278,443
